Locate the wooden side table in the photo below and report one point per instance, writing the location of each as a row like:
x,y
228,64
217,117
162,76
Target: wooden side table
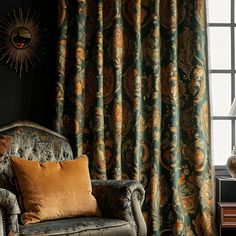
x,y
226,215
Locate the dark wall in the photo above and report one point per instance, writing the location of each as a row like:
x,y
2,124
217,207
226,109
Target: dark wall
x,y
31,97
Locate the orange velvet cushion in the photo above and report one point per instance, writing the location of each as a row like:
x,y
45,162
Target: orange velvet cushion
x,y
53,190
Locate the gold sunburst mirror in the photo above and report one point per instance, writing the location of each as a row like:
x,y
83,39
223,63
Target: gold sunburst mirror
x,y
21,40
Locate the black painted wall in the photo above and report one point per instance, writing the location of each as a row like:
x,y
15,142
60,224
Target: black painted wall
x,y
31,97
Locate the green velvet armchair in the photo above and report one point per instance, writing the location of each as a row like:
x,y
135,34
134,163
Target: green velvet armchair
x,y
119,201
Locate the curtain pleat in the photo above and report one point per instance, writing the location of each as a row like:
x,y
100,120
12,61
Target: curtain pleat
x,y
171,154
117,48
98,143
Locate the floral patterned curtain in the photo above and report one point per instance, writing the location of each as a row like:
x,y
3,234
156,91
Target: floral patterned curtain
x,y
132,93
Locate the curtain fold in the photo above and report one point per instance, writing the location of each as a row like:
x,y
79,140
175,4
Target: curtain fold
x,y
132,93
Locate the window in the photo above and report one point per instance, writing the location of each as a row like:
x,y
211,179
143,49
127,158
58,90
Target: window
x,y
222,29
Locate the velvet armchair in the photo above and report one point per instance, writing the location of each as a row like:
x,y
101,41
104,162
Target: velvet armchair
x,y
119,201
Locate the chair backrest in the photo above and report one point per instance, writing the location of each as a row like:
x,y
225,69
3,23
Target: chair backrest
x,y
32,142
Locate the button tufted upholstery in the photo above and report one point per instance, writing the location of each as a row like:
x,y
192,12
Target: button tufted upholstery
x,y
118,200
32,142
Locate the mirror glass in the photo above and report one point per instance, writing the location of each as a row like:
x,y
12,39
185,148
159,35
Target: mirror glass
x,y
21,37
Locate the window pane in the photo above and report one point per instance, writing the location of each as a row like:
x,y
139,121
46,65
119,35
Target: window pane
x,y
234,12
219,11
235,42
220,48
221,141
221,94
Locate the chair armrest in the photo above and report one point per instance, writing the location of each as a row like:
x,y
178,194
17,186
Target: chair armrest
x,y
121,199
10,206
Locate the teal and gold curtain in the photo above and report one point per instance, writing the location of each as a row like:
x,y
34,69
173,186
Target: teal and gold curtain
x,y
132,93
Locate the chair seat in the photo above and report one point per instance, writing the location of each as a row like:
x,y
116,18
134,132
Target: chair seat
x,y
78,226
